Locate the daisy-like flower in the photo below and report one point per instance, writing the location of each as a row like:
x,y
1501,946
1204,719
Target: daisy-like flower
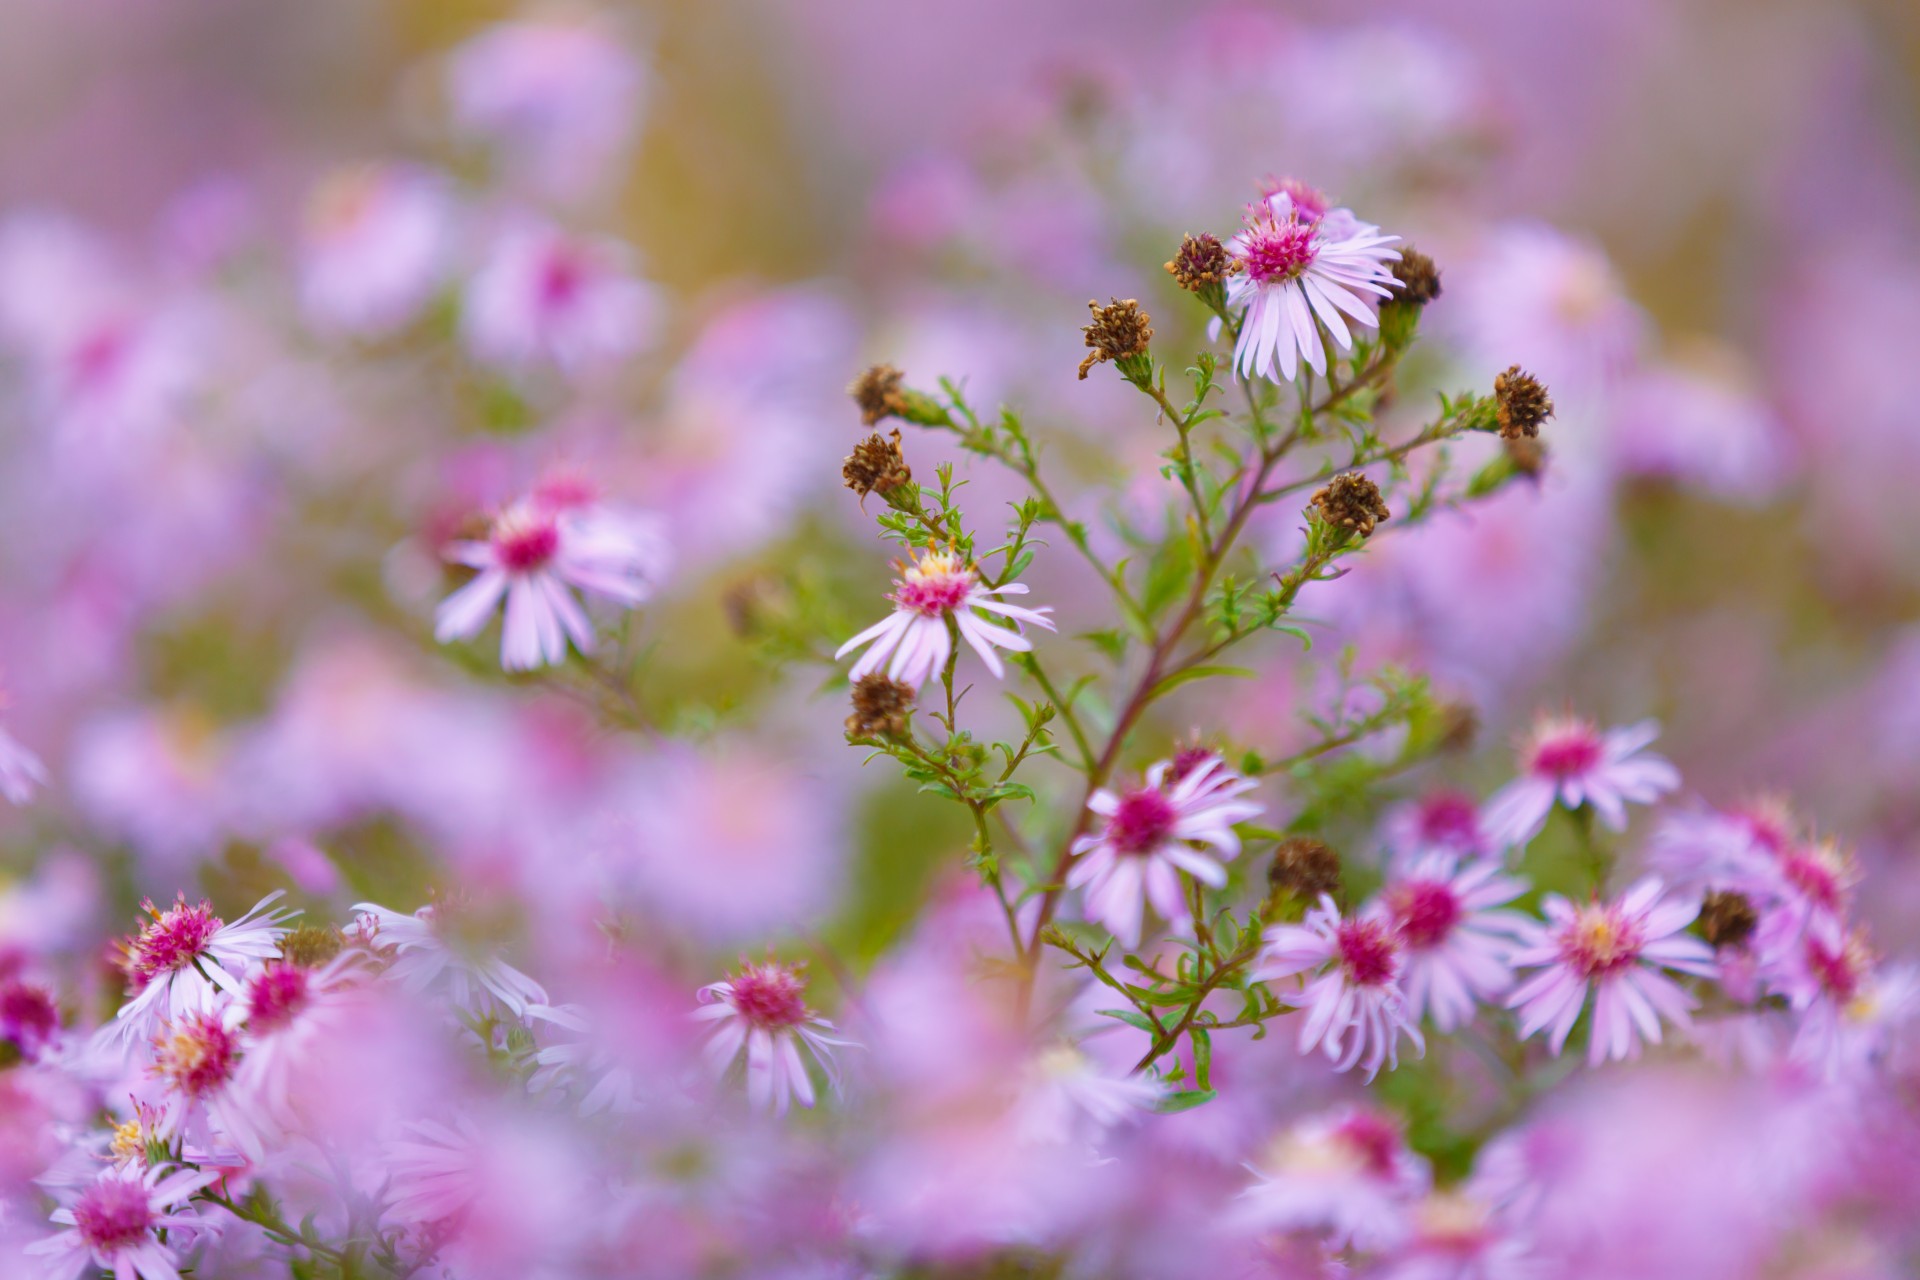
x,y
21,772
1440,821
1070,1096
1617,950
1356,989
436,945
1151,834
113,1223
539,551
1300,262
1457,1236
374,248
936,588
1572,762
545,298
584,1065
197,1060
1348,1174
287,1012
1832,983
184,956
1456,939
763,1009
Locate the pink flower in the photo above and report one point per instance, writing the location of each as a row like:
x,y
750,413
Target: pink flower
x,y
1069,1096
21,772
1456,943
196,1060
763,1010
1617,950
1843,1000
544,298
374,248
1440,821
431,948
1149,838
29,1019
1348,1174
1357,963
184,956
1456,1236
1302,263
1568,760
113,1221
535,556
287,1013
935,588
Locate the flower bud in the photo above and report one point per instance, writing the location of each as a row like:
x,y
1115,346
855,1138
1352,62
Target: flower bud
x,y
1419,281
880,393
311,945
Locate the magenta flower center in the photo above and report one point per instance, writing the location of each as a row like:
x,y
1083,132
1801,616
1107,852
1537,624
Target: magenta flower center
x,y
1450,820
27,1015
934,589
1367,952
1375,1142
174,940
1425,911
1275,252
196,1056
1599,942
562,277
275,996
522,545
113,1215
100,355
770,997
1566,754
1142,822
564,493
1814,878
1186,763
1837,970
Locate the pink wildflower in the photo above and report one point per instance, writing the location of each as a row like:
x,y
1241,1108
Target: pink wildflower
x,y
544,298
430,948
1300,267
763,1009
21,772
1149,836
937,588
1617,950
1440,821
1568,760
184,955
1456,942
113,1222
1356,965
1348,1174
1069,1096
374,248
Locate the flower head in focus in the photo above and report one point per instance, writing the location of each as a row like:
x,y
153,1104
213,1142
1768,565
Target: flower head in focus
x,y
1456,938
183,956
1356,1010
114,1220
936,589
1570,761
1149,835
1302,265
538,552
763,1011
1617,950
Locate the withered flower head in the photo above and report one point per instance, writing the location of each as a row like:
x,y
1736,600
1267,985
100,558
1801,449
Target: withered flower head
x,y
311,945
1528,456
1727,919
1352,502
1201,261
877,392
880,707
1523,403
876,465
1419,278
1304,868
1120,332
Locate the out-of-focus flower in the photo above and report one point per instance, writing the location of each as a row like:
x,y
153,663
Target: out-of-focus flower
x,y
29,1019
288,1007
937,588
1069,1096
1302,262
558,96
431,946
1456,941
1355,988
1701,423
1617,950
184,956
113,1223
1570,761
1457,1236
374,249
1441,821
21,771
1148,836
763,1010
537,553
1348,1174
544,298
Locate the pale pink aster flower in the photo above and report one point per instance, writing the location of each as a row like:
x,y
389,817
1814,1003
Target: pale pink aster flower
x,y
29,1019
1441,821
1299,265
935,588
763,1010
1348,1174
1711,848
1617,950
427,949
374,248
1456,1236
1356,965
1149,836
1844,1001
535,557
545,298
112,1223
287,1013
1456,941
1070,1097
196,1059
1572,762
1809,883
21,772
184,956
586,1066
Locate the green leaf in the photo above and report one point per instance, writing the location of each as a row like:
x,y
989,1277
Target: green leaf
x,y
1176,1102
1179,678
1132,1017
1202,1059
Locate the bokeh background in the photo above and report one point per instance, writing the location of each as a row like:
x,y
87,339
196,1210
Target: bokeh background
x,y
1696,221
